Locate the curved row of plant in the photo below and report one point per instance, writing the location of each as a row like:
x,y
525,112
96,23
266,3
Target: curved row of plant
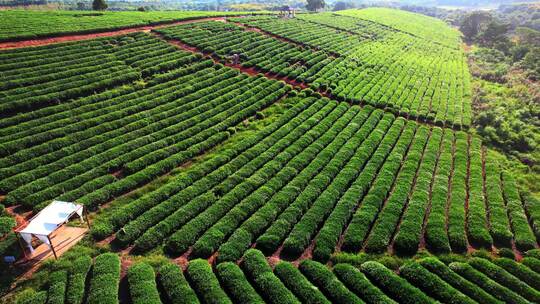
x,y
304,183
69,151
31,24
426,280
386,68
43,76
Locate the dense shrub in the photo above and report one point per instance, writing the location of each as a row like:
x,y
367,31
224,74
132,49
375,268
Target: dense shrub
x,y
77,280
175,287
266,283
142,284
205,283
357,282
304,290
398,288
458,282
105,280
236,284
432,285
325,280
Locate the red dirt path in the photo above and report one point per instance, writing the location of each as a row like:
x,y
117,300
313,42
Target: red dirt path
x,y
77,37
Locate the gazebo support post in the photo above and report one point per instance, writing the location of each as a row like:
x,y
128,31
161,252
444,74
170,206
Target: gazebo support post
x,y
52,247
20,245
86,218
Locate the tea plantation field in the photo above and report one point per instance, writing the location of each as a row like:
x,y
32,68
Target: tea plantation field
x,y
325,158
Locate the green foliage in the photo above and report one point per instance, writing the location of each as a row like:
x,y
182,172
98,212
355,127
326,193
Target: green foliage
x,y
205,283
142,284
77,280
6,225
57,287
357,282
431,284
105,280
458,282
267,284
325,280
175,286
236,284
99,5
398,288
302,288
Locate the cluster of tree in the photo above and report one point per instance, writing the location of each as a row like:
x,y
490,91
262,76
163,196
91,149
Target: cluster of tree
x,y
518,46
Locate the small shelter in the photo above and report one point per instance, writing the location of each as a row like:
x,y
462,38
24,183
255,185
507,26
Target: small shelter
x,y
287,12
47,221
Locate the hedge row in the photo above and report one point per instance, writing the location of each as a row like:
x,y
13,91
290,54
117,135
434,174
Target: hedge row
x,y
255,49
477,227
190,232
265,281
142,284
340,171
126,109
498,217
505,278
77,280
105,280
205,283
436,235
458,194
457,281
379,141
520,271
174,285
295,281
57,287
128,124
303,193
253,227
324,279
167,215
532,207
532,263
389,217
523,234
357,282
328,142
392,284
481,280
444,97
432,285
139,160
234,281
388,159
137,207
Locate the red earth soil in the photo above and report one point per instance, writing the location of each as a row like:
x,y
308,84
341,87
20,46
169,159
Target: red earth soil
x,y
77,37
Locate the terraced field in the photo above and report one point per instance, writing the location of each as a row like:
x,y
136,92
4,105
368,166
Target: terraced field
x,y
323,158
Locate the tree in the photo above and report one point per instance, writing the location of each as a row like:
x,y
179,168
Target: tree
x,y
493,33
340,5
313,5
99,5
473,23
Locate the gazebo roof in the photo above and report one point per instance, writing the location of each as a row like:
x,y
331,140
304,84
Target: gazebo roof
x,y
51,217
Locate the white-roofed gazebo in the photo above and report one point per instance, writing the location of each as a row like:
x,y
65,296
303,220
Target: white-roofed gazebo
x,y
47,221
